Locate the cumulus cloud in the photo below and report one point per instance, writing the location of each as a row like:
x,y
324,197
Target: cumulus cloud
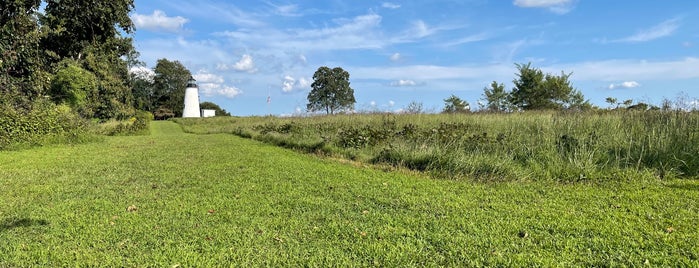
x,y
245,64
391,103
390,5
290,83
555,6
158,21
142,72
627,84
213,89
666,28
204,77
396,57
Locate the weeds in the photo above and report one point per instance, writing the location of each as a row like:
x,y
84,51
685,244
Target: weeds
x,y
534,145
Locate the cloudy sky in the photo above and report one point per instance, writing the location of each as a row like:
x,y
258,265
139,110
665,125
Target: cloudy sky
x,y
397,52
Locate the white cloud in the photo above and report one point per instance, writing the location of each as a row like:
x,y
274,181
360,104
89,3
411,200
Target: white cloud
x,y
555,6
372,103
361,32
213,89
403,83
214,85
390,5
391,103
395,57
204,77
666,28
290,83
245,64
142,72
627,84
158,21
302,59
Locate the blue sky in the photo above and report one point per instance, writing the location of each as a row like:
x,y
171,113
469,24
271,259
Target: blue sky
x,y
398,52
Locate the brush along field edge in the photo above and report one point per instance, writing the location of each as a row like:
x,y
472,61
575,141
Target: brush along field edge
x,y
211,200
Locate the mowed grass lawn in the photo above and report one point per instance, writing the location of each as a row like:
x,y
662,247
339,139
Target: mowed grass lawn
x,y
175,199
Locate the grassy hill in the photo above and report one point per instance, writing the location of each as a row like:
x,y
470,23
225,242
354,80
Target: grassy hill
x,y
176,199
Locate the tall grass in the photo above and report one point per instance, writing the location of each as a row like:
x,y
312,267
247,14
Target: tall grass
x,y
518,146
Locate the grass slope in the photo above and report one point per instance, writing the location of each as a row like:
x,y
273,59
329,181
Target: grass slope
x,y
213,200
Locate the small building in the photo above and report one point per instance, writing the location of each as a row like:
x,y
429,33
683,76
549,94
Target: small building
x,y
208,113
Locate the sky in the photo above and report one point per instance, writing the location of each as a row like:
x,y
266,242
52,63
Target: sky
x,y
258,57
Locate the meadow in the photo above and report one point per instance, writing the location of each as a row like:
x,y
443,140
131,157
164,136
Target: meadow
x,y
532,146
180,200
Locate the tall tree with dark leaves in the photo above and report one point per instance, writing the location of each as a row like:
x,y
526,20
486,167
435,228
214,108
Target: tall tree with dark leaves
x,y
535,90
90,32
21,64
330,91
77,24
169,85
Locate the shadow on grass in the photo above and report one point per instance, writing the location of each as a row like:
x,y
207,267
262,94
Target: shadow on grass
x,y
11,223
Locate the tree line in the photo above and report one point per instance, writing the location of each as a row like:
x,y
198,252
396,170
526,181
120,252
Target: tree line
x,y
533,90
78,54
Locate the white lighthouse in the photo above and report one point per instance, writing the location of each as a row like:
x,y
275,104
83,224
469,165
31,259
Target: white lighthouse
x,y
191,99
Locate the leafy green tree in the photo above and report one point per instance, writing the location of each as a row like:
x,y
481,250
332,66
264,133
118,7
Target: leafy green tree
x,y
213,106
76,87
454,104
330,91
142,91
611,101
535,90
169,85
22,75
496,98
77,24
114,93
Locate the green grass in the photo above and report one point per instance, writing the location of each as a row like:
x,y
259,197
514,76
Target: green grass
x,y
220,200
531,146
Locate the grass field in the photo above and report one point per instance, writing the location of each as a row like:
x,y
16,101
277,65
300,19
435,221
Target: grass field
x,y
176,199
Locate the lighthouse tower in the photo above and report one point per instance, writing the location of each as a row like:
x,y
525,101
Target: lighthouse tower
x,y
191,99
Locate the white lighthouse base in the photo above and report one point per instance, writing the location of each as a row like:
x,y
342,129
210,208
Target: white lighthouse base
x,y
191,103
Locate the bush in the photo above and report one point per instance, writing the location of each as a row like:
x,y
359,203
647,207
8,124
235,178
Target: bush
x,y
43,123
139,124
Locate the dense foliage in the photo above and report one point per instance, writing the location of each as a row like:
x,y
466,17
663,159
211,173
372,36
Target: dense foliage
x,y
330,91
73,53
558,146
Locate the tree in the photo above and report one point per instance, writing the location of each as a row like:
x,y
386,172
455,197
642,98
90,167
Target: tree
x,y
330,91
414,107
76,87
22,76
169,85
454,104
611,101
213,106
496,98
77,24
535,90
